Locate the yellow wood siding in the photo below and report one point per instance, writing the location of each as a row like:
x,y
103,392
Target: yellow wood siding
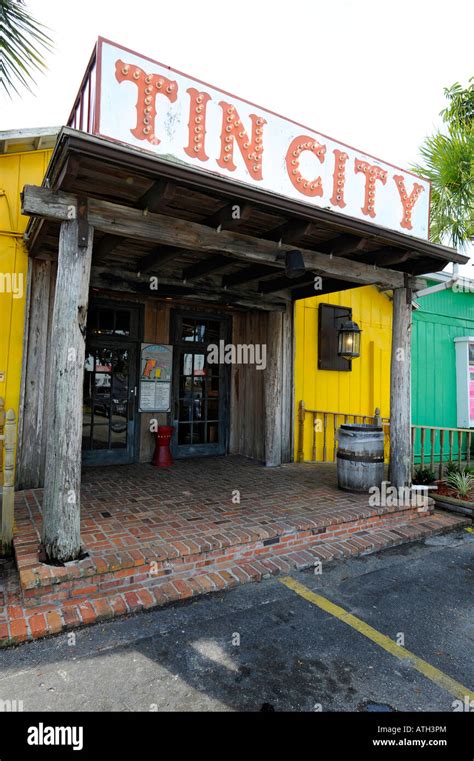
x,y
363,389
16,170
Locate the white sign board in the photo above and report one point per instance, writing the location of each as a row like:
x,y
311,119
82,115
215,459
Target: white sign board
x,y
153,107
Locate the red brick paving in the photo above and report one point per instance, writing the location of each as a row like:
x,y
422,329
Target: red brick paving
x,y
175,533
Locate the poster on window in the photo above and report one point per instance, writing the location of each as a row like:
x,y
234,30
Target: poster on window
x,y
156,364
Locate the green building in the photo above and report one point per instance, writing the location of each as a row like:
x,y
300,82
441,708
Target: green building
x,y
443,369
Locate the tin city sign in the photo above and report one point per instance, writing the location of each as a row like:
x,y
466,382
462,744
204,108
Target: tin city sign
x,y
153,107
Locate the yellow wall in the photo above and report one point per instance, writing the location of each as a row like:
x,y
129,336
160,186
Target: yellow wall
x,y
360,391
16,170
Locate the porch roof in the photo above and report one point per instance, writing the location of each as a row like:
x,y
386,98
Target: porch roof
x,y
101,169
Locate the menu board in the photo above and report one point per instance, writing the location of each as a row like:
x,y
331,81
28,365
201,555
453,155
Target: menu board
x,y
156,367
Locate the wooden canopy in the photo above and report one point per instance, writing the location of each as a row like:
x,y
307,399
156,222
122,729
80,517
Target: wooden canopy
x,y
210,238
119,216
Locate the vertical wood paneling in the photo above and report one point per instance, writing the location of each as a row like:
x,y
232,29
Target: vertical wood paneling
x,y
247,398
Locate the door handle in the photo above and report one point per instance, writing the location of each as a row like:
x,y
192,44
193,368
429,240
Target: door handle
x,y
131,403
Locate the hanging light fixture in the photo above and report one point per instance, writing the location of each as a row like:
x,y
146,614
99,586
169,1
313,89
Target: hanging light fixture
x,y
348,340
294,264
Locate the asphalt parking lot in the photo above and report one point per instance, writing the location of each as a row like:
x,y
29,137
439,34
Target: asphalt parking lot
x,y
266,647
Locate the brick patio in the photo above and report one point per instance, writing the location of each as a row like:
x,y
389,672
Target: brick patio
x,y
154,536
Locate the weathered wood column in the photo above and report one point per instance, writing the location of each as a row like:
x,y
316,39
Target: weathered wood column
x,y
273,390
287,384
400,389
61,505
35,374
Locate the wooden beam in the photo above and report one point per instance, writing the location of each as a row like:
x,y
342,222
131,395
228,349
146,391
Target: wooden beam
x,y
389,256
105,247
132,223
155,199
283,283
127,281
245,275
290,231
211,264
61,536
68,173
159,196
223,218
229,216
400,395
156,258
329,286
345,245
273,390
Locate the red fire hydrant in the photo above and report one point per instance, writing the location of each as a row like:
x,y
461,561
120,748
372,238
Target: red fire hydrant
x,y
162,456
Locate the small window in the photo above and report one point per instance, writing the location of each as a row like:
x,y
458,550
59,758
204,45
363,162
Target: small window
x,y
113,321
330,320
200,331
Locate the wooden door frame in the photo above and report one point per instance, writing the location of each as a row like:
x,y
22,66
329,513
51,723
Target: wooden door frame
x,y
176,317
114,340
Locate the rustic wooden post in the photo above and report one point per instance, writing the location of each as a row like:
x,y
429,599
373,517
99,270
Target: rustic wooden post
x,y
32,423
273,391
8,491
287,385
400,389
61,505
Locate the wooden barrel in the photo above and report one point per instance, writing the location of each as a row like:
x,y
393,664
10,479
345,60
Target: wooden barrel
x,y
360,457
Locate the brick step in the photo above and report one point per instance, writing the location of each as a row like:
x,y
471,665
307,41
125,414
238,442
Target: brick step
x,y
44,584
20,622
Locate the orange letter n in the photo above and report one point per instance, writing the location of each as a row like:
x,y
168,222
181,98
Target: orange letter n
x,y
251,150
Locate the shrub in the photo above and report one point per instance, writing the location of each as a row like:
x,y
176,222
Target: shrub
x,y
423,476
462,482
453,467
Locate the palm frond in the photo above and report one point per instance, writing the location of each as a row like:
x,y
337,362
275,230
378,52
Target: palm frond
x,y
23,45
448,162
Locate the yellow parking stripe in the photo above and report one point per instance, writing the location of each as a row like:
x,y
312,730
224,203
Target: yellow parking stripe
x,y
431,672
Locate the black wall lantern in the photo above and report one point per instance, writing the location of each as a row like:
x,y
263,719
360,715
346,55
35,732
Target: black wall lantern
x,y
294,264
348,340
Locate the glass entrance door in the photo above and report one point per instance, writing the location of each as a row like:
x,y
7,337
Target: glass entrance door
x,y
110,377
200,387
